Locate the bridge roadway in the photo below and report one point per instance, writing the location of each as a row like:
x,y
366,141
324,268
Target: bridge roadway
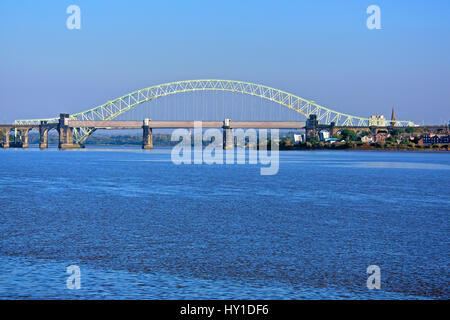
x,y
116,125
148,125
66,127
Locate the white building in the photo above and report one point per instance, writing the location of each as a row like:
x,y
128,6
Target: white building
x,y
377,121
299,138
324,135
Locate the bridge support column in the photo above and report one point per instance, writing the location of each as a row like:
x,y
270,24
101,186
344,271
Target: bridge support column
x,y
5,140
312,127
43,132
25,138
65,133
147,136
228,142
332,129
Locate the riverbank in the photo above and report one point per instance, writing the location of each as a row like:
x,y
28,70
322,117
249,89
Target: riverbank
x,y
164,140
364,146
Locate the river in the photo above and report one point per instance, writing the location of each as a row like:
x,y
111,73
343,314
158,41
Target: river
x,y
140,227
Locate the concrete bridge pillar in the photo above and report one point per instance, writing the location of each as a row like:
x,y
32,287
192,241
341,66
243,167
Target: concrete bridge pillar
x,y
5,140
65,133
24,137
147,137
43,132
228,142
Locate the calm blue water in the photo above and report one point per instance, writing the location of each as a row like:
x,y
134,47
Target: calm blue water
x,y
140,227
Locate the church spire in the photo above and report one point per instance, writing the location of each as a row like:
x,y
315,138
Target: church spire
x,y
393,117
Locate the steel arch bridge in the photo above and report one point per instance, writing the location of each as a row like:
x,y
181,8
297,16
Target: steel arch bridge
x,y
113,108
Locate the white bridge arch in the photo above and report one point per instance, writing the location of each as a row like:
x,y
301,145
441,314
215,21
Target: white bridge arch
x,y
113,108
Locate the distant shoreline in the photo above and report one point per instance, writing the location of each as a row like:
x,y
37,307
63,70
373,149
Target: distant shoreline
x,y
386,149
164,140
444,148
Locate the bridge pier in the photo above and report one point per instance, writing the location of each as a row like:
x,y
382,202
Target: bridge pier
x,y
228,142
24,137
5,140
43,133
332,129
312,127
147,136
65,133
375,129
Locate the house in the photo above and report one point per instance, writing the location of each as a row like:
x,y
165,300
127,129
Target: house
x,y
436,139
324,135
445,139
380,137
299,138
367,139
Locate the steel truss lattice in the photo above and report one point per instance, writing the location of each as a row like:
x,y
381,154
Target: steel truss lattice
x,y
113,108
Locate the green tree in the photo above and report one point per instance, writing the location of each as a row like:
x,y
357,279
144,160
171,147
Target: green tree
x,y
396,132
286,142
391,138
314,140
349,135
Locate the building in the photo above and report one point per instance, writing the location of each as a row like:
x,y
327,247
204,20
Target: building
x,y
393,117
380,137
429,139
377,121
324,135
331,140
367,139
299,138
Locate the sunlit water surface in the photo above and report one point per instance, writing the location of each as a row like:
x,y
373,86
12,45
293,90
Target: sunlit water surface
x,y
141,227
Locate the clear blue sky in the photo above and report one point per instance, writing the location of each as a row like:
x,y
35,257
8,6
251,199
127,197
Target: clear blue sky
x,y
319,50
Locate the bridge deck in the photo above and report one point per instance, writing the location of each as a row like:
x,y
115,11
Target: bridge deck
x,y
185,124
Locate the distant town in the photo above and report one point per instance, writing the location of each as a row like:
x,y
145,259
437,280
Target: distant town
x,y
381,134
398,139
